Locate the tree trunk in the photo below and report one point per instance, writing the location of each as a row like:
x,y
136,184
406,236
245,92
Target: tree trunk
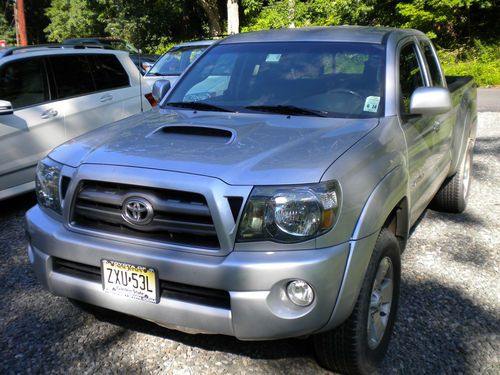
x,y
291,13
212,11
233,19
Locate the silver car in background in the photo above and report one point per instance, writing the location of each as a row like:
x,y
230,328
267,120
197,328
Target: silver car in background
x,y
173,63
50,94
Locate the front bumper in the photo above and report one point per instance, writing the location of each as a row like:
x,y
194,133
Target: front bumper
x,y
255,281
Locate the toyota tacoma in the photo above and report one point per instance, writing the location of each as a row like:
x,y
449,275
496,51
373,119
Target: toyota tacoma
x,y
269,196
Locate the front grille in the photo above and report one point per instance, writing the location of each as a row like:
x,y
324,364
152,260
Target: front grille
x,y
179,217
168,289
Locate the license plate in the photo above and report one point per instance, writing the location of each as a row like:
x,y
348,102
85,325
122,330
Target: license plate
x,y
128,280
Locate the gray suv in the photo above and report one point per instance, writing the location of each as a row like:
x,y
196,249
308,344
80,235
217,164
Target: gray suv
x,y
269,196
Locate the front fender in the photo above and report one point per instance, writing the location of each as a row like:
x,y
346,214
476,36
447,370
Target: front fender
x,y
385,197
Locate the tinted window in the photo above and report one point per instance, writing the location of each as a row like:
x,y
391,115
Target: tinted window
x,y
108,73
410,75
338,79
23,83
432,63
72,75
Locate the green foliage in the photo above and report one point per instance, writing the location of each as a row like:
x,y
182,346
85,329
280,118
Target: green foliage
x,y
162,46
151,25
445,21
7,31
274,14
156,25
479,60
72,19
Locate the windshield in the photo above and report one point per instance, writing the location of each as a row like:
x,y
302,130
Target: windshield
x,y
175,61
309,78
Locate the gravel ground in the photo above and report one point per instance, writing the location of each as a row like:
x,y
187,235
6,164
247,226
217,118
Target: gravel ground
x,y
448,322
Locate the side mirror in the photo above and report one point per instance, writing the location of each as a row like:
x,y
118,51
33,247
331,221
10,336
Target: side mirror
x,y
430,101
160,89
6,107
146,65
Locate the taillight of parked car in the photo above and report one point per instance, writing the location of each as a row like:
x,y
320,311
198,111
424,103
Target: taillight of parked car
x,y
151,100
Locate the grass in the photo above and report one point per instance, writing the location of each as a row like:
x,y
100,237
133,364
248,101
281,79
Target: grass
x,y
479,60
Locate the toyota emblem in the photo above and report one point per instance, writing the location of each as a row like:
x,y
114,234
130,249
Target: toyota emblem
x,y
137,211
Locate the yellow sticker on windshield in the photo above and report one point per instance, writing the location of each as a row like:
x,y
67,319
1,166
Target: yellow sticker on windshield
x,y
371,104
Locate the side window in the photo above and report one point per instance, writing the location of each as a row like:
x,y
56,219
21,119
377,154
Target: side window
x,y
432,62
72,75
410,75
108,72
350,63
24,83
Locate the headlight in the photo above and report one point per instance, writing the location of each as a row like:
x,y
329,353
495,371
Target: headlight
x,y
290,214
47,180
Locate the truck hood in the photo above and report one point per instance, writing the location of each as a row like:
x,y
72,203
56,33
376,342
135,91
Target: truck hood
x,y
238,148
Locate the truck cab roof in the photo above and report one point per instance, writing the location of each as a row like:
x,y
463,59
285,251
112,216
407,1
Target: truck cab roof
x,y
361,34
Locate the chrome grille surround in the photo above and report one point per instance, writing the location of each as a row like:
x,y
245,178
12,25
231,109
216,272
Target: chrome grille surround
x,y
192,213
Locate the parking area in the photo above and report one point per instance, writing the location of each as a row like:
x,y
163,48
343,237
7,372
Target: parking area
x,y
448,321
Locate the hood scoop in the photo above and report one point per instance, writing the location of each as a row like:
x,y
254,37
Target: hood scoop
x,y
194,133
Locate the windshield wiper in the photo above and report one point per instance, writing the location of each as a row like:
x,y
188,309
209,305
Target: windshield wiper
x,y
287,110
204,106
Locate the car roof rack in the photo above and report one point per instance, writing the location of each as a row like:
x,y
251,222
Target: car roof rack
x,y
11,50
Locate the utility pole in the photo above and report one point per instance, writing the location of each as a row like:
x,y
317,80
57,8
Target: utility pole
x,y
20,20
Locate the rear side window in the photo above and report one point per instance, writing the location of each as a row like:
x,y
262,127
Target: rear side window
x,y
108,72
72,75
24,83
350,63
432,63
410,75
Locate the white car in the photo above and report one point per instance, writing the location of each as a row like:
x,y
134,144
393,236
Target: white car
x,y
50,94
173,63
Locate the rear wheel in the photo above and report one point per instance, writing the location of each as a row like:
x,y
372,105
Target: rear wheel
x,y
454,193
360,343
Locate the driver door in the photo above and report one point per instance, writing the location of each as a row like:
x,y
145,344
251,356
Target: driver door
x,y
418,130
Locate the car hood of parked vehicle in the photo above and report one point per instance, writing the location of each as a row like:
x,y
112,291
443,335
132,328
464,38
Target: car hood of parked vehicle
x,y
238,148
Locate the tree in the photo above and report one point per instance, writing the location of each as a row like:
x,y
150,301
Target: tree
x,y
7,31
211,9
72,18
450,19
36,20
233,19
284,13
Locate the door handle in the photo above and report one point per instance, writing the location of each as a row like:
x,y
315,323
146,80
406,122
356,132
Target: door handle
x,y
51,112
106,98
436,126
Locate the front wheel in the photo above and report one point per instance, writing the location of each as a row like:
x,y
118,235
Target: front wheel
x,y
360,343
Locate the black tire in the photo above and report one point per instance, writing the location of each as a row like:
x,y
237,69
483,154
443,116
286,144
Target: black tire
x,y
346,348
453,194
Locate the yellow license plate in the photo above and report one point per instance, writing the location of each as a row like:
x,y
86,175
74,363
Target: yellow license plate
x,y
128,280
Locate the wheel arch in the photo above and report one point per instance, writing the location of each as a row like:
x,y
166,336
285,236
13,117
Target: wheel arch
x,y
386,207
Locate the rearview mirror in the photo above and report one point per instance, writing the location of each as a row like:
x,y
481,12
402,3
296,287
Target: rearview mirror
x,y
6,107
160,89
430,101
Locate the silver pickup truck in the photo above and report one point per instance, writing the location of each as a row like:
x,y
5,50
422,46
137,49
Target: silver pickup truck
x,y
269,196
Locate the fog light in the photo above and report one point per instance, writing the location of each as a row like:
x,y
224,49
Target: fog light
x,y
300,293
